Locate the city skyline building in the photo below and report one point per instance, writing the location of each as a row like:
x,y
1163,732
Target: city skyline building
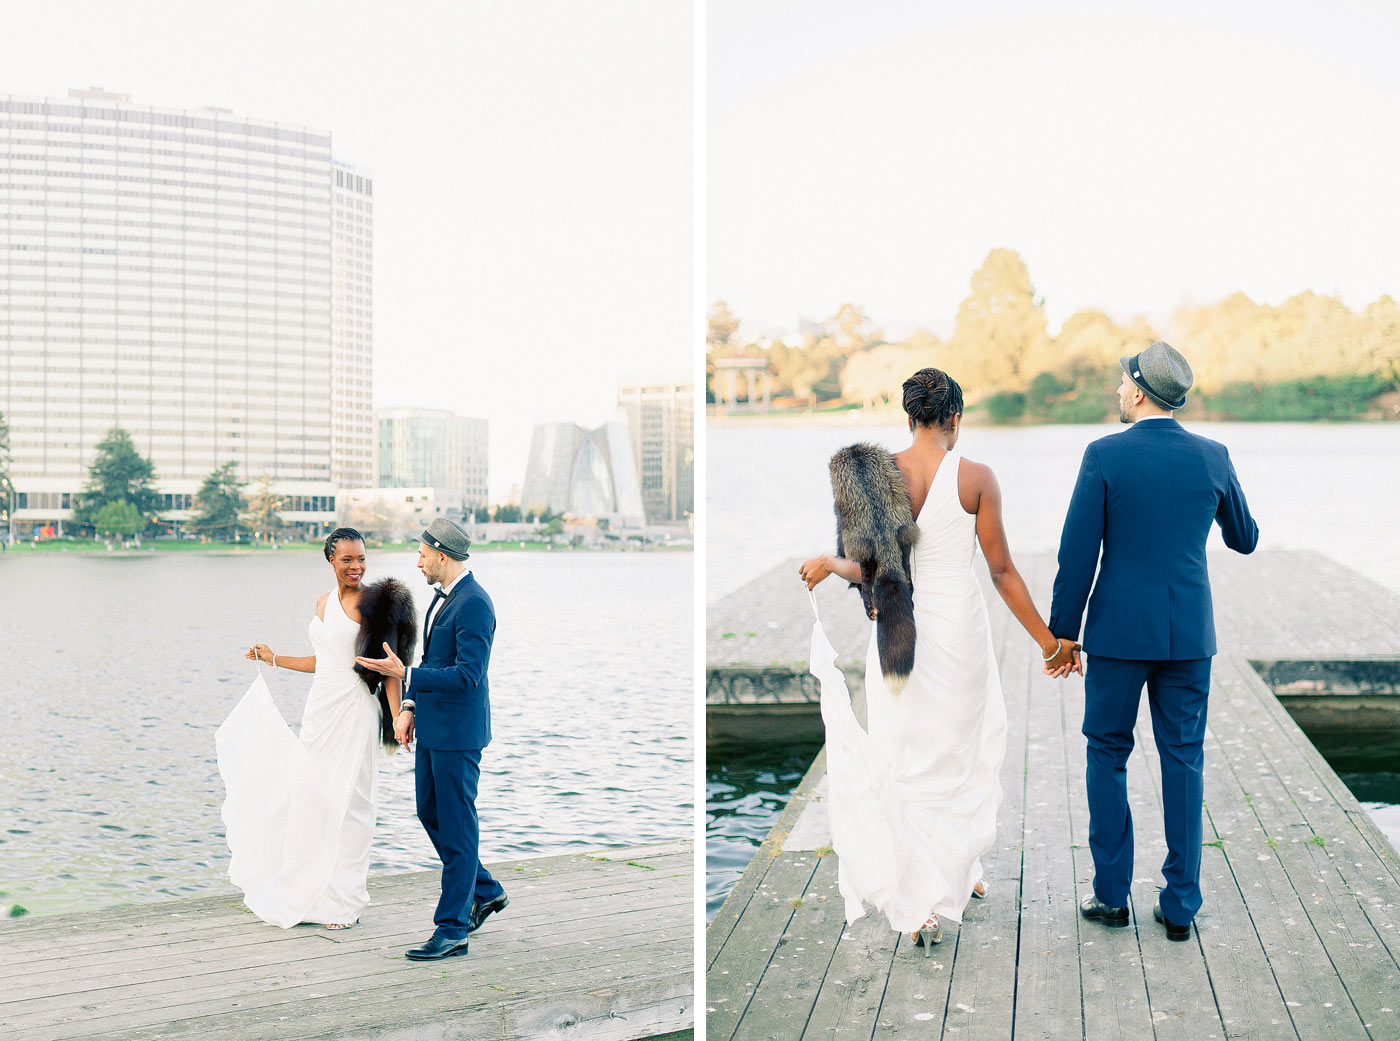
x,y
353,432
660,412
584,473
174,272
435,448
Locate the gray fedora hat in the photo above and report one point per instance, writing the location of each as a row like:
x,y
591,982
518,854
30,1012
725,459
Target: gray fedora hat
x,y
1161,373
447,537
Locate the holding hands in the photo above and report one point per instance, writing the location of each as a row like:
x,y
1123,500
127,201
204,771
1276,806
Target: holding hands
x,y
1063,660
403,727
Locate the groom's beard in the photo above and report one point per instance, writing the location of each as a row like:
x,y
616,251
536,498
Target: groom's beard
x,y
1123,416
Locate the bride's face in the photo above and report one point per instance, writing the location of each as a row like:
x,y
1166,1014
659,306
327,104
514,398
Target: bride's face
x,y
348,561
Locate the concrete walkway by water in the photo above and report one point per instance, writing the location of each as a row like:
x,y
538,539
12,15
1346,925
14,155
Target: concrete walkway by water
x,y
594,945
1300,933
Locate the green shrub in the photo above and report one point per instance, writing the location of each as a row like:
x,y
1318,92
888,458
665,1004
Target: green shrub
x,y
1006,407
1324,397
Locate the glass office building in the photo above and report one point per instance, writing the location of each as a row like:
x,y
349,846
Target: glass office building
x,y
175,273
660,414
438,449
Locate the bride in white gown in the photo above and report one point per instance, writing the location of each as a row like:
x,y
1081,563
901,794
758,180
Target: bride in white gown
x,y
300,812
914,801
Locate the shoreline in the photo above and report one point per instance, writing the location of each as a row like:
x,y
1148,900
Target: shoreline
x,y
86,550
855,418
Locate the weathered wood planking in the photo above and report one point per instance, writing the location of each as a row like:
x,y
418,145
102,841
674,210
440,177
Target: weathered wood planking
x,y
1300,933
593,945
1272,605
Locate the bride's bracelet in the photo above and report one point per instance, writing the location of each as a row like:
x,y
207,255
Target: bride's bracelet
x,y
1043,657
274,661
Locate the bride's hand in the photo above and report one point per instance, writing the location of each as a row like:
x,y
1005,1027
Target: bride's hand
x,y
1065,660
403,728
814,570
260,652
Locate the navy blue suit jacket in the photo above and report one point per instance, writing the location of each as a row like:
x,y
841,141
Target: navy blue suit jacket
x,y
1147,496
450,692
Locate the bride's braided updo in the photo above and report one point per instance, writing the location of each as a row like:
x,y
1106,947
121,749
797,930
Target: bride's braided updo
x,y
932,398
339,535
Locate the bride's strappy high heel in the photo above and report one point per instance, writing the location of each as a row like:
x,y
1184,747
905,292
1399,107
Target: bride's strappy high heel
x,y
930,934
979,891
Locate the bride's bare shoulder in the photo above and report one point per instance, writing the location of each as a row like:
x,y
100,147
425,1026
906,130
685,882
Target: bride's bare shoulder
x,y
321,606
974,481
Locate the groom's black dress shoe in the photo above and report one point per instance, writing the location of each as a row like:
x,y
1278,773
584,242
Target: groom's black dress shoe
x,y
1175,933
480,911
1092,907
438,947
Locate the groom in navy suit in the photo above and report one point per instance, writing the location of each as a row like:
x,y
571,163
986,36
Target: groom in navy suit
x,y
1147,497
446,702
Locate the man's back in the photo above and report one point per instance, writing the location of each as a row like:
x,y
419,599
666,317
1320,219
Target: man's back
x,y
1147,496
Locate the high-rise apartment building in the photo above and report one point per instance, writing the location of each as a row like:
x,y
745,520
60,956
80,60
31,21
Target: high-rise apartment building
x,y
661,421
438,449
352,327
179,274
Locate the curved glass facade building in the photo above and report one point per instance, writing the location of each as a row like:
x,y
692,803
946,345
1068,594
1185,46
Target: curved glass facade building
x,y
585,473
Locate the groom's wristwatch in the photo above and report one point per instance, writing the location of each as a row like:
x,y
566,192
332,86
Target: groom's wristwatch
x,y
405,706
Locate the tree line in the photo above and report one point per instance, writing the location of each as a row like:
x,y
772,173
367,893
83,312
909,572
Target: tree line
x,y
1309,358
120,498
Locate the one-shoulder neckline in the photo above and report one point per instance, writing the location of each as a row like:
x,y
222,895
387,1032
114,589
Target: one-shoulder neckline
x,y
933,484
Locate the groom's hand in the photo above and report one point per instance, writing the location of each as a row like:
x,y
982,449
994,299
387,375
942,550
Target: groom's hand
x,y
1065,661
388,666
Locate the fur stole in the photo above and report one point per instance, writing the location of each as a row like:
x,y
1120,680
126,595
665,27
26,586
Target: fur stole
x,y
875,527
387,615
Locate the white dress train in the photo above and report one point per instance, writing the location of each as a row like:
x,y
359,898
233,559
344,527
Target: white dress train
x,y
913,800
299,814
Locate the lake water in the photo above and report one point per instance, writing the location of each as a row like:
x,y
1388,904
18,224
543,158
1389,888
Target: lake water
x,y
115,672
1334,488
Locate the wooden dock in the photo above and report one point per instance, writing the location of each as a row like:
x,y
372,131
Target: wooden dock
x,y
593,945
1299,936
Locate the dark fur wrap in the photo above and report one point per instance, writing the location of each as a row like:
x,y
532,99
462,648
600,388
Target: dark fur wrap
x,y
387,615
875,527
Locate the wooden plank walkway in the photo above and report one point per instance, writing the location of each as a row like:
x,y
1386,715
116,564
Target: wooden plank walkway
x,y
593,945
1300,933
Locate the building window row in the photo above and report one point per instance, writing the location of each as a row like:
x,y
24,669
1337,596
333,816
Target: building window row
x,y
168,119
354,182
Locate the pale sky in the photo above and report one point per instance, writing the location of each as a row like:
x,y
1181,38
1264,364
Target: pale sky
x,y
1136,155
533,169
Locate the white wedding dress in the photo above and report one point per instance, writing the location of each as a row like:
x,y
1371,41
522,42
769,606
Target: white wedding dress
x,y
913,801
299,815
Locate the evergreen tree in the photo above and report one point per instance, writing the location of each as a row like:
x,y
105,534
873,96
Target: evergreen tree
x,y
217,503
118,474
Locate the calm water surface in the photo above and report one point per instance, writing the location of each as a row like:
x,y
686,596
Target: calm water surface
x,y
115,672
1333,488
746,788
